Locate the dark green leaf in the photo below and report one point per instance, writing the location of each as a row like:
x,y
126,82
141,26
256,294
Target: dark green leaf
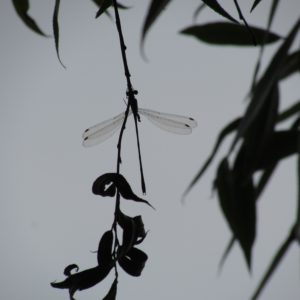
x,y
263,87
274,264
133,262
69,269
112,293
155,9
229,128
56,29
214,5
291,65
256,2
22,8
115,181
82,280
104,254
222,33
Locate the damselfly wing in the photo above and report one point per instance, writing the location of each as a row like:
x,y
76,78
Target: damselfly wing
x,y
168,122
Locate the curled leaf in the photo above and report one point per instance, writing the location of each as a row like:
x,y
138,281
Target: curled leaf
x,y
133,262
115,181
69,269
82,280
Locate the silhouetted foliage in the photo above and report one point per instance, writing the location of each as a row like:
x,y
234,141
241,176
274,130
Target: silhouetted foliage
x,y
257,143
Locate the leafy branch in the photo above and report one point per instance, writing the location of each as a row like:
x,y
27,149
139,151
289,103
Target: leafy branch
x,y
111,251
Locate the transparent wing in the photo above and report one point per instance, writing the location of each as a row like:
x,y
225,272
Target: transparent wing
x,y
169,122
177,118
102,131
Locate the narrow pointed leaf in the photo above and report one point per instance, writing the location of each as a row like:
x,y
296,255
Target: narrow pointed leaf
x,y
22,8
198,10
223,33
291,65
289,112
56,29
103,7
155,9
263,87
262,48
274,264
256,2
229,128
214,5
226,252
112,293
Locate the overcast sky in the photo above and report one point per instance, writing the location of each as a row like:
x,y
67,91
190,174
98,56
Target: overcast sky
x,y
49,217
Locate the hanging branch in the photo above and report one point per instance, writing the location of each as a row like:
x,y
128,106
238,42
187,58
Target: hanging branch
x,y
111,250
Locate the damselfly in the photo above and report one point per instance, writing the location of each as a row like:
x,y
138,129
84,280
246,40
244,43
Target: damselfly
x,y
169,122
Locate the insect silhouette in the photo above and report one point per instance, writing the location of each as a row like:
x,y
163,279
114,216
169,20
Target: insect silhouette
x,y
169,122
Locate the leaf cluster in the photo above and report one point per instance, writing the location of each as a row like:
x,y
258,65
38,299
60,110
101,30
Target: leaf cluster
x,y
111,251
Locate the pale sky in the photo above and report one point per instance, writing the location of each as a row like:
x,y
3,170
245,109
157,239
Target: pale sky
x,y
49,217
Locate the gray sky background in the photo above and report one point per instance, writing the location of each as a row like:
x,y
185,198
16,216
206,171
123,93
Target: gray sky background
x,y
49,217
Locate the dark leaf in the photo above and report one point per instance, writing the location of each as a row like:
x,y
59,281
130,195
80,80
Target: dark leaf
x,y
291,65
274,264
241,16
112,293
198,10
214,5
256,2
266,83
56,29
258,63
103,7
155,9
282,144
264,179
22,8
289,112
69,269
226,252
115,181
133,230
133,262
82,280
222,33
229,128
259,134
104,255
236,196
